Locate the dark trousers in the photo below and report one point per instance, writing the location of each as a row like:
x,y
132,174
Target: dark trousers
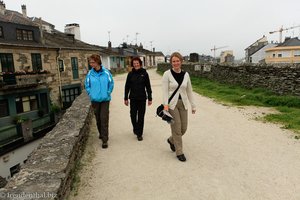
x,y
101,110
137,115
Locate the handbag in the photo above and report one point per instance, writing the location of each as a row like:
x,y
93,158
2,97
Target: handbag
x,y
160,108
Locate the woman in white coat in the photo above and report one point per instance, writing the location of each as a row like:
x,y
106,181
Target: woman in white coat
x,y
178,106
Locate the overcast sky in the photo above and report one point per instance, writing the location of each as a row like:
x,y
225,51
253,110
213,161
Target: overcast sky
x,y
172,25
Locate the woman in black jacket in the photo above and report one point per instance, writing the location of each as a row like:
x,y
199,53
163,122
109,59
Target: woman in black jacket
x,y
137,85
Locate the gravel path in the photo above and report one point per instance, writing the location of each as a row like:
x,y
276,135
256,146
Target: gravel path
x,y
230,156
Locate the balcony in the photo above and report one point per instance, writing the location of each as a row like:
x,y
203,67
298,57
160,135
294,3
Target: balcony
x,y
22,80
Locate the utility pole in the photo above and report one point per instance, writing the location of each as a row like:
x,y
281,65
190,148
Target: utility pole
x,y
108,35
151,45
136,34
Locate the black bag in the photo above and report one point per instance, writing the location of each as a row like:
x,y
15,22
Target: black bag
x,y
160,108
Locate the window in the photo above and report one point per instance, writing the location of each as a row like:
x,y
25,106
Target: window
x,y
274,55
69,95
36,61
26,104
61,65
24,34
7,62
74,63
285,54
279,55
44,102
1,32
4,108
15,169
297,53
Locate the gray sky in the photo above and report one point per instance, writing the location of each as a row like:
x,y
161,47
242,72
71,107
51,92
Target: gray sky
x,y
173,25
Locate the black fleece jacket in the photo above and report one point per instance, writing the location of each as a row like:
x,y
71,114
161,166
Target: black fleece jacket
x,y
137,83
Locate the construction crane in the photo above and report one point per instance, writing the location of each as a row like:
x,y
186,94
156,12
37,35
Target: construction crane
x,y
216,48
282,29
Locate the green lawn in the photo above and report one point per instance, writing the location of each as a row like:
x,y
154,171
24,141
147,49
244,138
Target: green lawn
x,y
288,106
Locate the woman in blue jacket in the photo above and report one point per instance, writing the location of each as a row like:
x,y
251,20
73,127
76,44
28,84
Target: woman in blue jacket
x,y
99,85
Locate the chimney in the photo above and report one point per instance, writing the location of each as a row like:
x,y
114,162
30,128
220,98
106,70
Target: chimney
x,y
109,44
24,11
287,38
71,36
73,29
2,8
41,30
153,49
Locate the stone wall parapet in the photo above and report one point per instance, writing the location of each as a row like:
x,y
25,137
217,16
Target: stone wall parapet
x,y
283,79
49,170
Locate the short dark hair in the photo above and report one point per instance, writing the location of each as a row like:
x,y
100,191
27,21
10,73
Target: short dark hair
x,y
138,59
96,58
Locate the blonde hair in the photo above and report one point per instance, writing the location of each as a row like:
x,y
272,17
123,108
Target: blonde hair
x,y
177,55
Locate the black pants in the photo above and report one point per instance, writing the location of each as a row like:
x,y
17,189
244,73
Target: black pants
x,y
101,110
137,115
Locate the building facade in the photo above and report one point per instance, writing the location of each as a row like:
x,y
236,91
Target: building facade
x,y
286,52
41,69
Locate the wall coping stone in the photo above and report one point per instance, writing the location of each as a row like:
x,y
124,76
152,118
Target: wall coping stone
x,y
48,172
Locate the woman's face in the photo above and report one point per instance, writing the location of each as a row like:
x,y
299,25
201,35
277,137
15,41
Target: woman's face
x,y
93,64
176,63
136,64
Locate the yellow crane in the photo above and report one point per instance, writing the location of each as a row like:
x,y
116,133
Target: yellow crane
x,y
282,29
216,48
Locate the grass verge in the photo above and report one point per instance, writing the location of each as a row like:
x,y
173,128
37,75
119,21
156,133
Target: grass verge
x,y
288,106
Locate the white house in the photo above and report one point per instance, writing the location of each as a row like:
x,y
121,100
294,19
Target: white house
x,y
260,55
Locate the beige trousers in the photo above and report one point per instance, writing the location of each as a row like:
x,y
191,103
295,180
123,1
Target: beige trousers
x,y
179,126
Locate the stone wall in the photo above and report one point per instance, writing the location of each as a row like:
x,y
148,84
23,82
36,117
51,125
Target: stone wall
x,y
22,60
281,79
49,170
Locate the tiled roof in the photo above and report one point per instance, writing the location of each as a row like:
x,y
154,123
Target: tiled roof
x,y
15,17
159,53
290,42
57,39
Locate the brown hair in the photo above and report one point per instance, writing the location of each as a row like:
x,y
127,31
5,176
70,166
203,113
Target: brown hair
x,y
96,58
138,59
177,55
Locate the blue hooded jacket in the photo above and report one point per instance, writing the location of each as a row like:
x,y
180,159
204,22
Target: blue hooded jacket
x,y
99,85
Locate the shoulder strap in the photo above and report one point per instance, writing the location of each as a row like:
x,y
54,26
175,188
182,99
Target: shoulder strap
x,y
171,97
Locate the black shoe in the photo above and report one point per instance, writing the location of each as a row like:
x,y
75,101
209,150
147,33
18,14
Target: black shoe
x,y
181,157
172,146
104,145
140,138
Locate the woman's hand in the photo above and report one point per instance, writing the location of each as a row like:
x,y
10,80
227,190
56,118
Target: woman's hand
x,y
149,103
166,107
126,102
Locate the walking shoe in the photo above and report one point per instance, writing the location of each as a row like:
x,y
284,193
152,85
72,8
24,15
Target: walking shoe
x,y
140,138
172,146
104,145
181,157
